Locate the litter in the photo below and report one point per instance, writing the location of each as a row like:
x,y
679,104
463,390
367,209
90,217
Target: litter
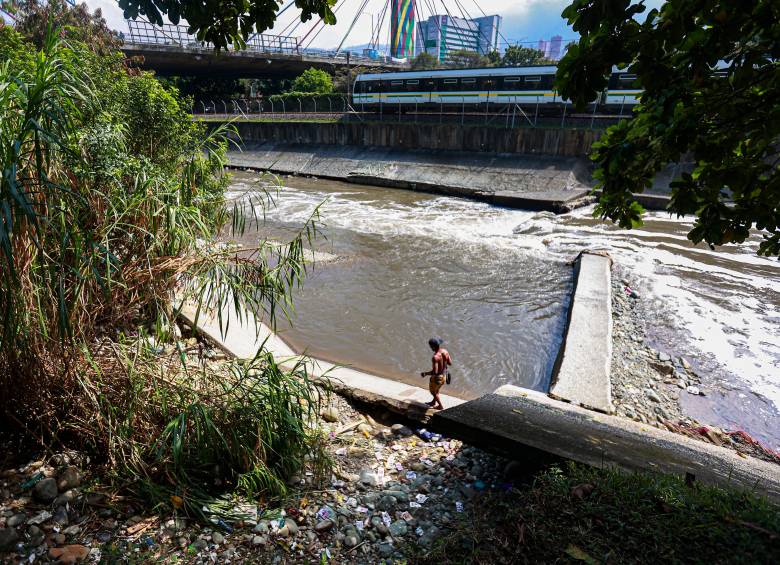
x,y
459,506
359,525
406,516
479,485
399,467
421,498
411,475
415,505
341,451
361,509
419,531
326,513
386,519
352,501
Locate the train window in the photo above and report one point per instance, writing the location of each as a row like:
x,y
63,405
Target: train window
x,y
468,80
412,82
511,79
627,77
450,81
534,78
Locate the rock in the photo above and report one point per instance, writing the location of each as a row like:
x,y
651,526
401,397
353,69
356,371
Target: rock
x,y
46,490
59,539
66,497
200,544
40,518
401,430
60,516
323,526
664,357
217,538
259,540
693,390
684,362
387,503
69,478
71,530
261,528
652,395
15,520
369,478
662,368
8,537
330,414
385,549
364,428
36,535
350,541
398,528
290,528
69,553
629,412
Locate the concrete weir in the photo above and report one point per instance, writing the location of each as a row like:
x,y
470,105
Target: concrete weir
x,y
572,422
586,354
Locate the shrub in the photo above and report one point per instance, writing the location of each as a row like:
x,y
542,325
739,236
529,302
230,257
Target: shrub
x,y
110,195
313,81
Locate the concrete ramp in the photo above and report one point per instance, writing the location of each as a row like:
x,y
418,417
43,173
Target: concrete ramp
x,y
522,423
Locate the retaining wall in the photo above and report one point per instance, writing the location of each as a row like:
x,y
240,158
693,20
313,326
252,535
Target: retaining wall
x,y
447,137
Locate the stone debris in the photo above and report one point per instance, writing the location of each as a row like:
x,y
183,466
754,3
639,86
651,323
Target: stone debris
x,y
647,383
393,488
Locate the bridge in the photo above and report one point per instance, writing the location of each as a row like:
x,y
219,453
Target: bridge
x,y
170,50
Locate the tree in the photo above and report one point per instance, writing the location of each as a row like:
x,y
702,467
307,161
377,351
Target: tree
x,y
313,81
516,56
424,61
224,22
74,23
465,59
711,81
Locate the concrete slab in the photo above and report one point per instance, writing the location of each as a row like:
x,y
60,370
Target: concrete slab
x,y
583,375
552,200
245,335
522,424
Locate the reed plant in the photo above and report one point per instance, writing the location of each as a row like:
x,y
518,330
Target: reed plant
x,y
110,200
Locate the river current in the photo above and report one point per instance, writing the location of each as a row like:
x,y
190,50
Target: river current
x,y
494,283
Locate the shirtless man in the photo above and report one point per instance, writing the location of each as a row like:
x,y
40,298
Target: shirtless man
x,y
438,373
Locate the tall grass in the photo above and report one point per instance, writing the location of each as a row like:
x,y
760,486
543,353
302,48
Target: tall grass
x,y
110,198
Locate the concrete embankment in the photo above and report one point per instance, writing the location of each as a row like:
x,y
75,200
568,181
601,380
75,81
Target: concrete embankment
x,y
556,142
528,182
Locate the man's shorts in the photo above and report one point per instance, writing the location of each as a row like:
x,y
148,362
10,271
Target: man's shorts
x,y
436,382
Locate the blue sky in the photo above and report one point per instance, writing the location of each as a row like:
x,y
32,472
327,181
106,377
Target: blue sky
x,y
524,20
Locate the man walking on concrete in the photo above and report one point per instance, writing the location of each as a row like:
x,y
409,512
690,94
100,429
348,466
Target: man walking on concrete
x,y
439,373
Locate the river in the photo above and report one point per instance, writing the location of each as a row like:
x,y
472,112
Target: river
x,y
494,283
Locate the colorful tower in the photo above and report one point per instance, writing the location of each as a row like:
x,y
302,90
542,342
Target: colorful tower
x,y
402,29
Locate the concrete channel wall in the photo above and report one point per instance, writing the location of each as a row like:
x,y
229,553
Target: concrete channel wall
x,y
555,142
530,182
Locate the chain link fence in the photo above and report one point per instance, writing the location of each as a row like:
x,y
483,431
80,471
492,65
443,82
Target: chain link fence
x,y
339,108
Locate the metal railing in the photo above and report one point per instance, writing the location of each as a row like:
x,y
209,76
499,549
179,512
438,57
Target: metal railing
x,y
508,116
145,33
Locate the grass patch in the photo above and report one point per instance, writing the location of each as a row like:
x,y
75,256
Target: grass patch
x,y
580,513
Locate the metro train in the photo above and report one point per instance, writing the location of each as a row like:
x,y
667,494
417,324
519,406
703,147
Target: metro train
x,y
507,85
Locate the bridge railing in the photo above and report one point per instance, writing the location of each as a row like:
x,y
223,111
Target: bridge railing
x,y
146,33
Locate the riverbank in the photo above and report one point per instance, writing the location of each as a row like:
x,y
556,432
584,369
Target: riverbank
x,y
395,494
647,384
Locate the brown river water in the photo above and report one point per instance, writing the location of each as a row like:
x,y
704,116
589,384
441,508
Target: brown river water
x,y
495,283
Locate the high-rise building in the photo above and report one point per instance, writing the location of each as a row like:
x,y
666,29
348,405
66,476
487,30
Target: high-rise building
x,y
554,48
441,35
402,29
542,46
